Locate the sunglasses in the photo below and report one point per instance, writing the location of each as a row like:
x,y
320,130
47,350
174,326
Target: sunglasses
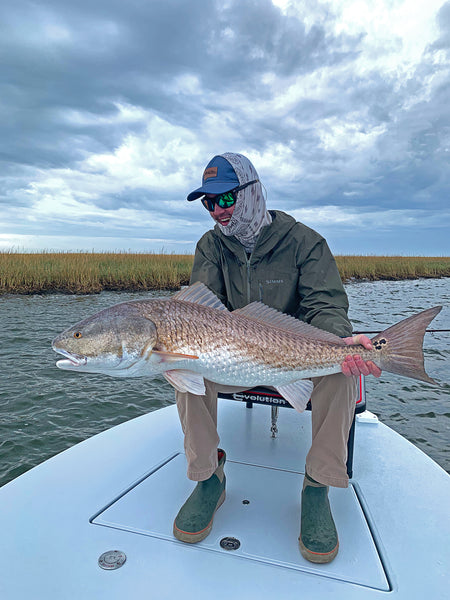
x,y
225,200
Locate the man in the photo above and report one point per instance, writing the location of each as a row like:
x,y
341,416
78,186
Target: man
x,y
253,254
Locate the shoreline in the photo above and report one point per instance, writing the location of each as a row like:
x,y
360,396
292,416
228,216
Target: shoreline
x,y
92,273
130,290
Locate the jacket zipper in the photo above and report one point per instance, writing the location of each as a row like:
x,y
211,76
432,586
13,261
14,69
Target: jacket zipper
x,y
249,281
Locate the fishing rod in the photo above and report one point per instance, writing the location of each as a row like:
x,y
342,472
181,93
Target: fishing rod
x,y
427,331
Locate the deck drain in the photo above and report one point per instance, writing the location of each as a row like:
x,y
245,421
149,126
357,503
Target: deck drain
x,y
113,559
230,543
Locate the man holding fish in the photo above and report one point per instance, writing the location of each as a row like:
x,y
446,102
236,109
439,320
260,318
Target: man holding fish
x,y
266,307
253,254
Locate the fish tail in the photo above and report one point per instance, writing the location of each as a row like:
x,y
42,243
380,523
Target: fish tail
x,y
400,346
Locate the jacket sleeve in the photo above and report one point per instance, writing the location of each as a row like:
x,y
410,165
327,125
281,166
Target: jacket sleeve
x,y
207,267
324,302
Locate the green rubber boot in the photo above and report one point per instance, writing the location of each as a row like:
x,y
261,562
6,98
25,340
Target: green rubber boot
x,y
318,536
195,518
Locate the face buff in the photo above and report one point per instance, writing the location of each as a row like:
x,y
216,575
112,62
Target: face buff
x,y
250,213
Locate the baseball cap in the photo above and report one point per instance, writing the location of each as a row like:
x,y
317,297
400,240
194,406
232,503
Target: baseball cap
x,y
218,177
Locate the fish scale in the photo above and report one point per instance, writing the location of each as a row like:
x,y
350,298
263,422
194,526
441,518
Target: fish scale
x,y
288,349
237,341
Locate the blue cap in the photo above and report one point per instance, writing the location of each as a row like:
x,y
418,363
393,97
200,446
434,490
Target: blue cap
x,y
218,177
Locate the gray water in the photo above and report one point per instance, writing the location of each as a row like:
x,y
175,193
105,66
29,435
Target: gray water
x,y
44,410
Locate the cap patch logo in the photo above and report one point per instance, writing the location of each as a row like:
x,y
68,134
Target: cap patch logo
x,y
211,172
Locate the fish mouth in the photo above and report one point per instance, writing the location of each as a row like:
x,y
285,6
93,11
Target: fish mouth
x,y
71,361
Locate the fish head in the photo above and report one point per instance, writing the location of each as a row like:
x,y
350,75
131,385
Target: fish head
x,y
112,341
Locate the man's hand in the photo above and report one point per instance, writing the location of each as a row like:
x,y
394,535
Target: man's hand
x,y
354,365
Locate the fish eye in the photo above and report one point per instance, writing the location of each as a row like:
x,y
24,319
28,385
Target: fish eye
x,y
77,335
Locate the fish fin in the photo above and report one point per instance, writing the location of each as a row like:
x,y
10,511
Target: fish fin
x,y
400,346
186,381
172,356
198,293
297,393
270,316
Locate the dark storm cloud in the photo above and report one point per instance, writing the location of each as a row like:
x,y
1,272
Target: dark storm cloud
x,y
254,37
87,56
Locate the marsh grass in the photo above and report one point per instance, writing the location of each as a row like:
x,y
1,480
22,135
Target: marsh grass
x,y
392,267
87,273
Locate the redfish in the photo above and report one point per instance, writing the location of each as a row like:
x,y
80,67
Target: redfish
x,y
192,336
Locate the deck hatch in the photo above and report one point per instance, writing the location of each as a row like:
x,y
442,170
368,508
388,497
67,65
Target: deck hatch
x,y
267,526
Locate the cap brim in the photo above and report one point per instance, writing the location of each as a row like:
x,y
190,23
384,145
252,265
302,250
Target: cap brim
x,y
212,187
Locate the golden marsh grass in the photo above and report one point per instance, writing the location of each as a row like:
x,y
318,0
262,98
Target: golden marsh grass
x,y
392,267
87,273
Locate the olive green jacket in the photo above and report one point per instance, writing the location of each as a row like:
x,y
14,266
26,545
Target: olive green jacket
x,y
291,269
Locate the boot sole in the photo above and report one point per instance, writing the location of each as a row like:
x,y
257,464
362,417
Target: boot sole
x,y
317,557
198,536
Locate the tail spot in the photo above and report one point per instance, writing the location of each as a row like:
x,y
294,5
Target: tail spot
x,y
378,344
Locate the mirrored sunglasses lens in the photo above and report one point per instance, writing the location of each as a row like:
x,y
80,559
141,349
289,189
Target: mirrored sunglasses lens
x,y
226,200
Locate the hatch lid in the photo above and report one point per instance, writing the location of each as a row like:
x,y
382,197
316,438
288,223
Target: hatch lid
x,y
259,521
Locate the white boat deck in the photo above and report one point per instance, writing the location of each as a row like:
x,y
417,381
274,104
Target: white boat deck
x,y
120,490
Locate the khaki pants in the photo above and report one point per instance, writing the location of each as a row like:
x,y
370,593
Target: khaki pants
x,y
333,405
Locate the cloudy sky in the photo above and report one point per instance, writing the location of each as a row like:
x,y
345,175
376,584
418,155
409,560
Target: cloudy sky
x,y
110,110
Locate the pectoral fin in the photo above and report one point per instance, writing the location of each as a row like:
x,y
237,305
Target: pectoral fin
x,y
297,393
186,381
165,357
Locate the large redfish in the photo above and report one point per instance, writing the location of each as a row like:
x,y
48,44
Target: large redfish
x,y
192,336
